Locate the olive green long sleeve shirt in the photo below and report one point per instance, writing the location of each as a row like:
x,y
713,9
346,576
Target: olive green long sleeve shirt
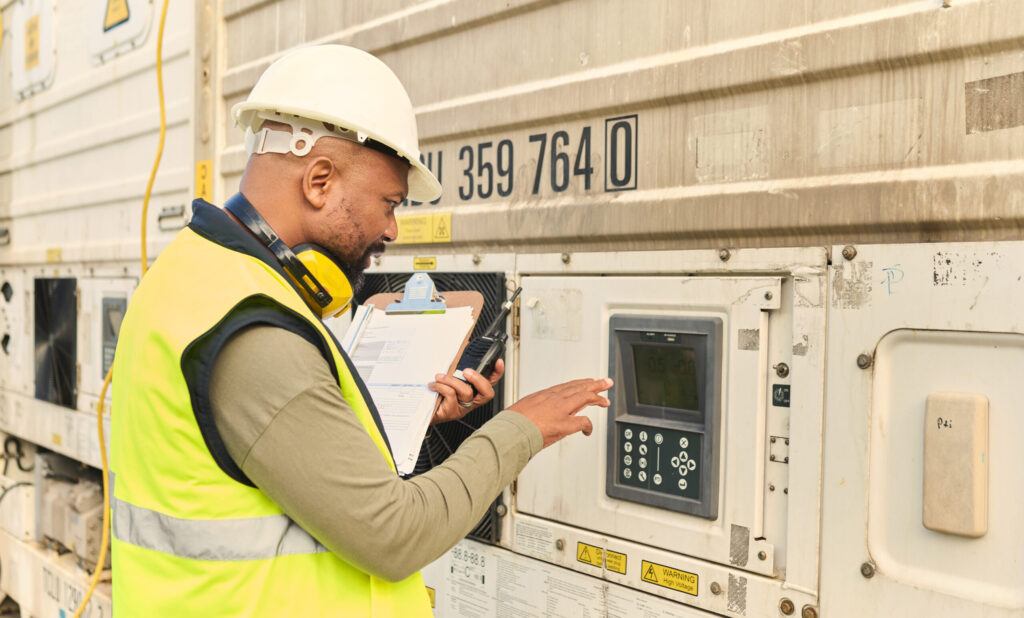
x,y
286,425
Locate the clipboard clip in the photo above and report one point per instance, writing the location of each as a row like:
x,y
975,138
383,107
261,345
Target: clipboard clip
x,y
420,297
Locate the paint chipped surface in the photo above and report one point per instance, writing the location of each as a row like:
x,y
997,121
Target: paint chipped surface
x,y
952,268
994,103
748,339
800,346
851,285
739,545
737,599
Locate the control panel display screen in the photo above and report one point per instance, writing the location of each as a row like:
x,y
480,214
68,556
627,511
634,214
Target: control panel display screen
x,y
666,376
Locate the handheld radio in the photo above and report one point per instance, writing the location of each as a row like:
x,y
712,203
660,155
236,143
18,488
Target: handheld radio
x,y
484,351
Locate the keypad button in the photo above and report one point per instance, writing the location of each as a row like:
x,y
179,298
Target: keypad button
x,y
692,464
627,473
642,476
658,438
675,462
628,447
642,463
684,443
683,455
643,449
628,460
657,479
682,484
682,470
628,434
643,436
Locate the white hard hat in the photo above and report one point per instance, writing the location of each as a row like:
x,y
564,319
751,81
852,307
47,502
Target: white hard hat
x,y
338,91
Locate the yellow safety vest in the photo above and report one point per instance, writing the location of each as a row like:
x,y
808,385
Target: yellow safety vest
x,y
188,539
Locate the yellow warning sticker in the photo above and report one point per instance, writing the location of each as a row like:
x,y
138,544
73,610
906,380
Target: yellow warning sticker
x,y
56,439
204,180
614,561
54,255
424,229
432,595
117,14
424,263
32,43
667,577
588,554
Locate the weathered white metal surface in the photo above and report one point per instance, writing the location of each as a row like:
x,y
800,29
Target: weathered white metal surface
x,y
748,124
933,318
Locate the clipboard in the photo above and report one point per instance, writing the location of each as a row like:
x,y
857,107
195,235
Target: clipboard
x,y
391,366
413,303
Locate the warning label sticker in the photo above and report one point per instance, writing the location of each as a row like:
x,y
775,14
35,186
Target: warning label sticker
x,y
424,263
424,229
615,561
588,554
117,14
667,577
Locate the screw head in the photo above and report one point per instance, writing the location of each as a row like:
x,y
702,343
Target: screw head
x,y
761,555
864,361
566,258
768,295
477,259
809,611
724,255
716,588
771,487
849,252
377,260
501,510
867,570
560,544
786,607
782,370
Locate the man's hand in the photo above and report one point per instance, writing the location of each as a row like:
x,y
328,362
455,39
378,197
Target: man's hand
x,y
453,391
553,410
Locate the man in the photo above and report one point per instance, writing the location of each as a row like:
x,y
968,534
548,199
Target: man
x,y
252,477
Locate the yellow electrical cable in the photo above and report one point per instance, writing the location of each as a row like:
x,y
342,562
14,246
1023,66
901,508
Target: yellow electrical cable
x,y
105,539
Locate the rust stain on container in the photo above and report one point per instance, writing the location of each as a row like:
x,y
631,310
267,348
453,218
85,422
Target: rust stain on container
x,y
994,103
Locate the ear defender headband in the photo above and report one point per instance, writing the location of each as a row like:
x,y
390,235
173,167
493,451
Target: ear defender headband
x,y
327,292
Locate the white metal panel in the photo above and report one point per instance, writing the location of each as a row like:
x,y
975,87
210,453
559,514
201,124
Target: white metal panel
x,y
932,318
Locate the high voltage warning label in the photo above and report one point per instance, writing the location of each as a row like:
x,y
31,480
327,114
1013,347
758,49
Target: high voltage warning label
x,y
424,229
117,14
670,578
588,554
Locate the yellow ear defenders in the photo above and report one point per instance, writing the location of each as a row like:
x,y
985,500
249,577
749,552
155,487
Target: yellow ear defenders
x,y
321,281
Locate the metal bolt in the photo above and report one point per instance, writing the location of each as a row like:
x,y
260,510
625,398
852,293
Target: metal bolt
x,y
477,259
566,258
809,611
786,491
501,510
785,460
773,439
786,607
768,295
771,487
761,555
716,588
867,570
724,255
772,457
787,441
377,260
782,370
560,544
864,361
849,252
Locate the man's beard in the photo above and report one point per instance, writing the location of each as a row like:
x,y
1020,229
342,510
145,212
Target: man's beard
x,y
353,268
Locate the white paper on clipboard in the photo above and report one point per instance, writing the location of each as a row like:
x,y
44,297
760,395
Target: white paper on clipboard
x,y
397,356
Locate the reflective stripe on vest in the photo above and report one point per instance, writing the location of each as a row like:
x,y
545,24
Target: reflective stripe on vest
x,y
251,538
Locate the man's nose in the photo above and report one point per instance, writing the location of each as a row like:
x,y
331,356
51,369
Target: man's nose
x,y
391,232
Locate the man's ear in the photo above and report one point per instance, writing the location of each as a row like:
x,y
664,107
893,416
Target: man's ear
x,y
319,174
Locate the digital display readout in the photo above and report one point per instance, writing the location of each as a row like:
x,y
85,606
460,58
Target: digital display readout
x,y
666,376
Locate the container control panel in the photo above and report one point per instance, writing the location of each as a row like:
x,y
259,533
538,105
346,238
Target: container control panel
x,y
663,423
